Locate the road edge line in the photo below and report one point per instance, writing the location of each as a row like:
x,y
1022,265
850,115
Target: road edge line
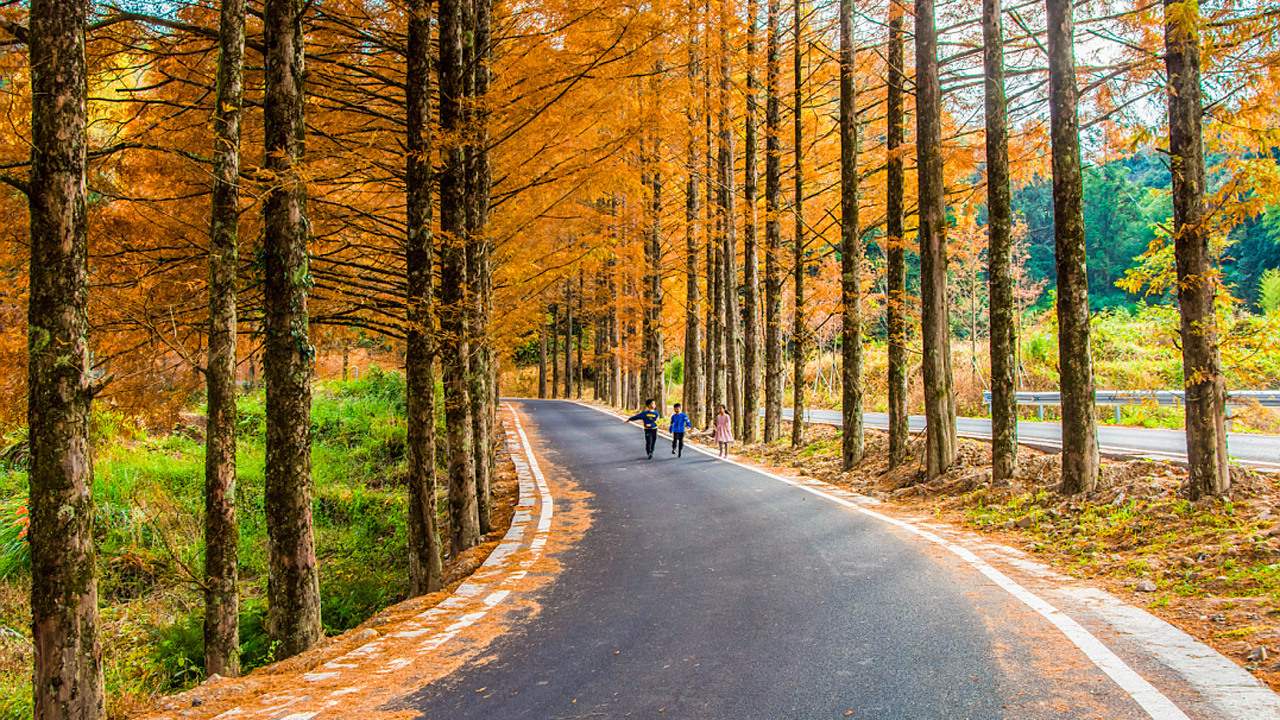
x,y
1153,702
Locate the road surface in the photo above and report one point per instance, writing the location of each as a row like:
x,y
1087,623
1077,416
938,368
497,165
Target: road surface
x,y
1262,451
704,589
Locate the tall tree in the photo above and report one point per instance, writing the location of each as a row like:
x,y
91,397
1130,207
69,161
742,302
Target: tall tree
x,y
1203,380
479,270
542,356
939,394
895,243
464,522
615,331
1075,360
693,376
652,385
773,231
581,335
750,254
426,572
715,278
555,351
221,534
728,226
568,338
67,681
850,249
293,588
1003,324
799,330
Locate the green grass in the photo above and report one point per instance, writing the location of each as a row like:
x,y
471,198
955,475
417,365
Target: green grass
x,y
148,492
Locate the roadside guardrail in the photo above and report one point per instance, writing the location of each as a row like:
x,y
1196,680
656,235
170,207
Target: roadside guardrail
x,y
1120,398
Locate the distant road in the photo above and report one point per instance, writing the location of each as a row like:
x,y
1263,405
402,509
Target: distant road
x,y
1262,451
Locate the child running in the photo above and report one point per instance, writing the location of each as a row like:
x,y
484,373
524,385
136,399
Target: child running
x,y
679,424
724,432
649,416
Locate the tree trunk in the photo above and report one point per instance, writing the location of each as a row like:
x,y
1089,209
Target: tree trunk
x,y
542,357
221,534
850,250
1203,380
651,330
750,427
1003,332
939,394
715,300
1079,426
772,234
555,351
426,573
581,336
895,245
568,339
615,338
67,680
454,346
728,228
692,395
800,330
479,272
293,587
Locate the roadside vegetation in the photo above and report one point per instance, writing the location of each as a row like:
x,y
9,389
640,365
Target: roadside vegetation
x,y
147,489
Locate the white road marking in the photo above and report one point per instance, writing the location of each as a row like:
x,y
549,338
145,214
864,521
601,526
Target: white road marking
x,y
1194,661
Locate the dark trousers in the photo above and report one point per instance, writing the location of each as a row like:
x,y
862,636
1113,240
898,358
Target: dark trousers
x,y
650,439
677,443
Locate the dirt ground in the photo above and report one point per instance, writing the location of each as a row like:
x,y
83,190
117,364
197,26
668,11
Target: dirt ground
x,y
1211,568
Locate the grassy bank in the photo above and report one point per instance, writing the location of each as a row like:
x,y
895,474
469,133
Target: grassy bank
x,y
148,491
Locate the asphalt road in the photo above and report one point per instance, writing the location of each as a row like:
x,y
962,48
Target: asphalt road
x,y
705,590
1246,448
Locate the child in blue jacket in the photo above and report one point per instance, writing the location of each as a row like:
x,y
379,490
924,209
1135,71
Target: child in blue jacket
x,y
679,424
649,416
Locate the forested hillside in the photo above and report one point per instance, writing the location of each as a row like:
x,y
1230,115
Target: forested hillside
x,y
909,203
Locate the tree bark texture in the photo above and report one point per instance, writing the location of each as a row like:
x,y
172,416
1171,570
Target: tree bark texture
x,y
1075,362
221,534
715,279
693,389
939,393
67,678
728,228
850,250
426,572
542,358
568,338
773,232
895,244
800,330
555,351
1003,334
464,525
615,338
1203,381
293,587
652,385
479,269
750,428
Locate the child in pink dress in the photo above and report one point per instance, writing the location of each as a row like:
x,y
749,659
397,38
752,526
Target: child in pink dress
x,y
724,432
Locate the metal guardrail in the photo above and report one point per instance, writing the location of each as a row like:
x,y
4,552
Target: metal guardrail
x,y
1121,398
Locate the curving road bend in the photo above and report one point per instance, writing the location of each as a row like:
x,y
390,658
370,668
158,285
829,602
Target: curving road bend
x,y
705,589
